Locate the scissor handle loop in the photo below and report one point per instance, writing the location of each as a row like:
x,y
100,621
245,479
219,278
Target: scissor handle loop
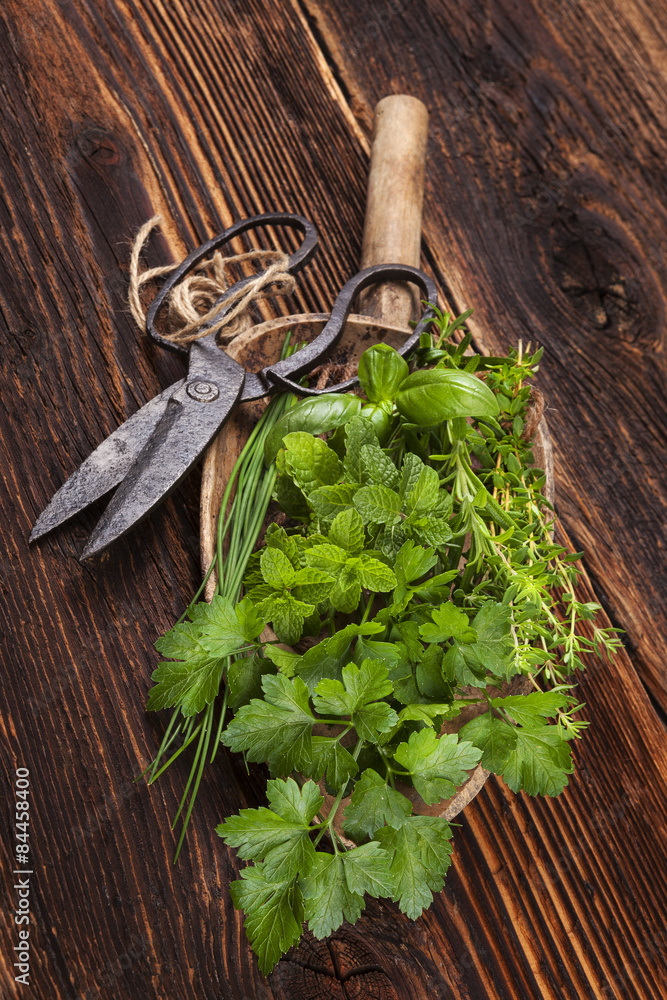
x,y
284,373
296,261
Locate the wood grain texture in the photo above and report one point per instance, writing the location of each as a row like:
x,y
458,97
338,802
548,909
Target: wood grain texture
x,y
544,209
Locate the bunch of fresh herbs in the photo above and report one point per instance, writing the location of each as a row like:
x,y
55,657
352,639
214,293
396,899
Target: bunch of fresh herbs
x,y
414,574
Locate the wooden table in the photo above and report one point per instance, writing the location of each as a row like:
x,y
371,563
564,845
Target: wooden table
x,y
546,210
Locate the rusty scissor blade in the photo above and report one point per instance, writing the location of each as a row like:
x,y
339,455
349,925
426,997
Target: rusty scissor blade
x,y
105,467
191,419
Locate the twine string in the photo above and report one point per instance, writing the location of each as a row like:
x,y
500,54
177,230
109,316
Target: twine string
x,y
191,304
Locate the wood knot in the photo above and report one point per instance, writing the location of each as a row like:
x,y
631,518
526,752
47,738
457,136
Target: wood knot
x,y
605,280
98,145
338,968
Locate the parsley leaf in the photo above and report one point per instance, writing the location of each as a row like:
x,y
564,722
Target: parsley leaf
x,y
327,755
372,805
529,709
278,728
412,562
328,657
436,765
335,888
436,587
193,681
244,678
539,763
358,696
421,854
367,869
182,642
449,623
534,758
430,678
273,913
428,713
494,737
327,897
225,628
284,659
492,647
279,836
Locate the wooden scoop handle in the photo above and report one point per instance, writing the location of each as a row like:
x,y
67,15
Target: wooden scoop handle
x,y
392,231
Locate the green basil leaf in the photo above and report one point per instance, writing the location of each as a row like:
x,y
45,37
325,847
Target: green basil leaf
x,y
381,372
429,397
381,415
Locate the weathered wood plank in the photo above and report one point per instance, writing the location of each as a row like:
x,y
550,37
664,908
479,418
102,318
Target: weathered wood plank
x,y
208,111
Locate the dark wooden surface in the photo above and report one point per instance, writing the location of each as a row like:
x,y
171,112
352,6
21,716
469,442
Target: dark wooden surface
x,y
546,209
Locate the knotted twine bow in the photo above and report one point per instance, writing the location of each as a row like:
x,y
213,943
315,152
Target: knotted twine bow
x,y
190,305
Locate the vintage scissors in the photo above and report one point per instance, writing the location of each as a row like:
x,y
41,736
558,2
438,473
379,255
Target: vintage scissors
x,y
155,448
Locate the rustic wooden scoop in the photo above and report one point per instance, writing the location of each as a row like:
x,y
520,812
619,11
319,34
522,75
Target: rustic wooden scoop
x,y
392,234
